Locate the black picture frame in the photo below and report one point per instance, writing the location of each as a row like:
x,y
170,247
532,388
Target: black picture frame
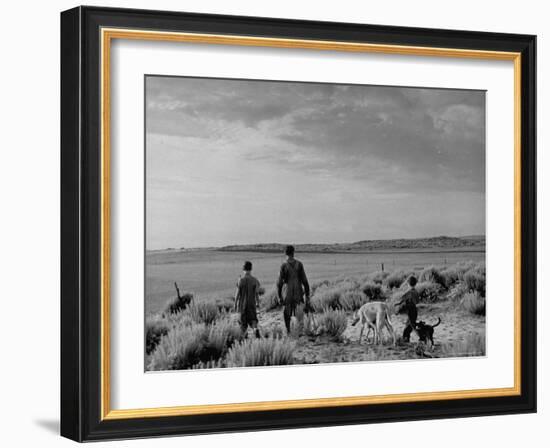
x,y
81,224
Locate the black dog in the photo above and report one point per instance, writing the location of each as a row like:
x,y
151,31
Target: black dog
x,y
426,332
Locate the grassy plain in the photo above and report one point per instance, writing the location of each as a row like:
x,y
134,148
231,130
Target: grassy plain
x,y
213,273
205,332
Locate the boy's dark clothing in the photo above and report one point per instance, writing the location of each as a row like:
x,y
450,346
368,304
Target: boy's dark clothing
x,y
408,305
293,275
245,300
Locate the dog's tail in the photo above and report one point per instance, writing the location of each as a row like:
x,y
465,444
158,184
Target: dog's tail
x,y
356,319
438,322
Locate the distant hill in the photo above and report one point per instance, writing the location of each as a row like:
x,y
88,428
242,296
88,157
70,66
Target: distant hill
x,y
436,243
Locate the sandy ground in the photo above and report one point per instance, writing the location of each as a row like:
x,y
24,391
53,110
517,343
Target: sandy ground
x,y
456,325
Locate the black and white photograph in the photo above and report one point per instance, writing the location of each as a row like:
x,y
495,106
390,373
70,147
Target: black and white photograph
x,y
305,223
285,219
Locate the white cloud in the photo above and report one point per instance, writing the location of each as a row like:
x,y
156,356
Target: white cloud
x,y
237,161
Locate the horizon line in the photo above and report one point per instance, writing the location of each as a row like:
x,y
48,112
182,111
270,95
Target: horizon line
x,y
316,243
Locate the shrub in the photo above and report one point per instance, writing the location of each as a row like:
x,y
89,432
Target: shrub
x,y
276,332
187,346
155,328
475,280
463,267
179,303
450,276
374,291
345,283
182,318
332,323
474,302
269,301
379,276
181,348
433,275
310,326
428,291
225,304
396,279
456,292
472,345
352,300
326,298
203,312
318,284
221,336
261,352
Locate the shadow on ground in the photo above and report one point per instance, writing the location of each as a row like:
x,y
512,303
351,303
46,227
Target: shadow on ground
x,y
51,426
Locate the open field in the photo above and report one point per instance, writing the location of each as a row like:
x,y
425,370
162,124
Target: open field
x,y
204,333
213,274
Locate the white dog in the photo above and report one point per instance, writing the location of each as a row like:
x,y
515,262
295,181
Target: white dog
x,y
375,316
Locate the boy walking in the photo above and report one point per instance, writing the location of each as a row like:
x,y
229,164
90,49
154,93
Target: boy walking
x,y
407,305
247,299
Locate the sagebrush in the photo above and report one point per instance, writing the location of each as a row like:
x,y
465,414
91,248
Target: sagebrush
x,y
261,352
332,323
474,302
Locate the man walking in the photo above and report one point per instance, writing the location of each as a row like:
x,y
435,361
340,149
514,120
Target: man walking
x,y
293,275
247,298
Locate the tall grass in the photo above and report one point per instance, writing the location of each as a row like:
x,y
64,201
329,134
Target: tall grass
x,y
451,276
224,304
269,300
474,303
317,284
327,298
203,312
352,300
342,293
433,275
180,349
475,280
222,334
378,276
309,326
332,323
186,346
261,352
397,278
182,318
155,328
456,292
374,291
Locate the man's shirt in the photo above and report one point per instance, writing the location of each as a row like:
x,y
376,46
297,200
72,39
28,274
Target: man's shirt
x,y
293,275
248,288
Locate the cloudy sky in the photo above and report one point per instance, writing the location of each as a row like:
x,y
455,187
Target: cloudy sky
x,y
234,162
